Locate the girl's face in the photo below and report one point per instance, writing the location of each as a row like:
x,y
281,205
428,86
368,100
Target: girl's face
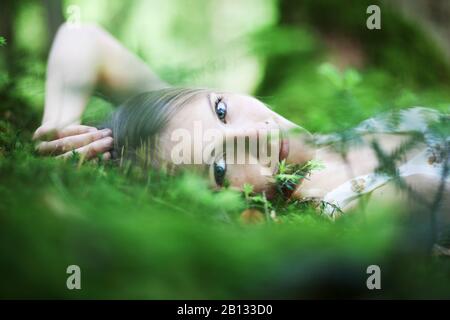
x,y
235,139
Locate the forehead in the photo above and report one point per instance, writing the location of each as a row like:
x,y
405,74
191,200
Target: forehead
x,y
196,109
201,106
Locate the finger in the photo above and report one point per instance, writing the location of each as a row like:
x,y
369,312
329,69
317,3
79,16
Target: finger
x,y
47,132
106,156
71,142
92,149
74,130
44,132
103,157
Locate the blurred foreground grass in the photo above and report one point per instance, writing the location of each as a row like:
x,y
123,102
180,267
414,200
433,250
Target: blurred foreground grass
x,y
138,235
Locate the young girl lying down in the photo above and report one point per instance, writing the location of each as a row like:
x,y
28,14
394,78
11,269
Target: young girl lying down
x,y
234,139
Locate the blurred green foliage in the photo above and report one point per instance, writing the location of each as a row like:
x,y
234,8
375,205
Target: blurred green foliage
x,y
138,234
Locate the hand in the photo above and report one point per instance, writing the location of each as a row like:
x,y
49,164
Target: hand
x,y
84,140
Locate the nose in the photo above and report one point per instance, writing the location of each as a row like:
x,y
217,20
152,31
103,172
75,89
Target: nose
x,y
260,141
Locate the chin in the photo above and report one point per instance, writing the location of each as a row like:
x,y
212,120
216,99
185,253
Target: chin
x,y
296,156
299,151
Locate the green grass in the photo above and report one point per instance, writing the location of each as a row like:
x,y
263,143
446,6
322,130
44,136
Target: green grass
x,y
139,234
155,238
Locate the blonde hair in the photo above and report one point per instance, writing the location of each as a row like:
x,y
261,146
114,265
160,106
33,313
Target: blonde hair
x,y
138,121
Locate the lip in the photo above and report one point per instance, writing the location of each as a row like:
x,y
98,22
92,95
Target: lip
x,y
284,149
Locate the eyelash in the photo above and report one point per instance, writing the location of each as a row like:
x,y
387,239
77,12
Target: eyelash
x,y
216,104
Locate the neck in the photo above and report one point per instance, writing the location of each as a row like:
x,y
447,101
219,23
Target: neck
x,y
320,182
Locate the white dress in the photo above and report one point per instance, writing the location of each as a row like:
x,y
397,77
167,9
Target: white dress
x,y
432,160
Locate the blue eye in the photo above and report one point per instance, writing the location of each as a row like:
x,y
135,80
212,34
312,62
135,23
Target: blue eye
x,y
220,169
221,109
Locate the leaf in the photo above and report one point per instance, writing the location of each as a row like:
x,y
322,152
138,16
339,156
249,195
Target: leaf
x,y
331,73
351,79
248,190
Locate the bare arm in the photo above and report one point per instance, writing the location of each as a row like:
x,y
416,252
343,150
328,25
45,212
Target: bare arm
x,y
83,58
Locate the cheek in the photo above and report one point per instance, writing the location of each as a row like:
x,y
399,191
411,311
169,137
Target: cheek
x,y
259,114
246,110
258,176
